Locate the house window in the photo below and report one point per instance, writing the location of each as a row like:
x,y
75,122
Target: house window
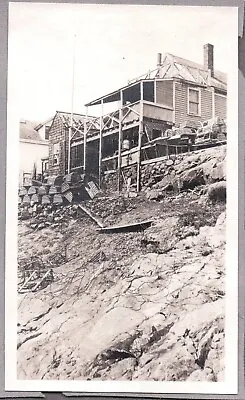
x,y
47,128
56,153
193,101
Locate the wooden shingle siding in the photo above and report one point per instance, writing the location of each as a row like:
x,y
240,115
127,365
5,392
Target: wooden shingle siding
x,y
164,93
220,106
57,135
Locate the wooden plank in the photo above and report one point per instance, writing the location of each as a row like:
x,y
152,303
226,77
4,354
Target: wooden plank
x,y
136,226
91,189
68,196
65,187
95,219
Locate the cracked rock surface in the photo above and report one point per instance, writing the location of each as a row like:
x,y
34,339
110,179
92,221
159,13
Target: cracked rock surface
x,y
135,305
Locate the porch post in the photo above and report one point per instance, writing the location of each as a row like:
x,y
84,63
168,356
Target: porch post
x,y
69,147
85,142
120,136
138,186
100,142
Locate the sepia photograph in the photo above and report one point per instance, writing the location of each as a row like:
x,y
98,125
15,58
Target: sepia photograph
x,y
121,232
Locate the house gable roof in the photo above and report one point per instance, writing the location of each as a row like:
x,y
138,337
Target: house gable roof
x,y
190,71
47,122
176,67
27,131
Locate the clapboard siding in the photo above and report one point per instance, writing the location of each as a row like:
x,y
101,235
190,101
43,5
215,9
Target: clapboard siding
x,y
206,104
181,104
220,106
164,93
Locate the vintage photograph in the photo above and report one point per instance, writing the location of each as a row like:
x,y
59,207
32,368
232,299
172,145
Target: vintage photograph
x,y
122,142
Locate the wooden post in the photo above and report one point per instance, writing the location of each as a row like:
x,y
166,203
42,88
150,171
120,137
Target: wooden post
x,y
71,115
155,90
138,186
120,136
100,142
69,149
85,142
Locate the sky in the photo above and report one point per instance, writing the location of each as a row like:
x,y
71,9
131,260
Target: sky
x,y
111,43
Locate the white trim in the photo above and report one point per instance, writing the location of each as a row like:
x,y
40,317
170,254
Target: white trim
x,y
158,105
220,94
213,103
199,102
174,94
41,142
155,90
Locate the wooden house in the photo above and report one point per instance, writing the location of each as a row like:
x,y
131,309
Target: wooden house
x,y
178,92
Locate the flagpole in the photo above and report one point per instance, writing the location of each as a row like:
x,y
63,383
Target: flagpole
x,y
72,105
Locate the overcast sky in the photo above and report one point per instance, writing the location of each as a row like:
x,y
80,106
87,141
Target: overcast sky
x,y
114,43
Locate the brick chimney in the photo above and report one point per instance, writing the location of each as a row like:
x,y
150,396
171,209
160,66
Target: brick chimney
x,y
209,58
159,59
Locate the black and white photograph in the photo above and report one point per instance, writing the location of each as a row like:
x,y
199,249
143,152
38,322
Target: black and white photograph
x,y
121,224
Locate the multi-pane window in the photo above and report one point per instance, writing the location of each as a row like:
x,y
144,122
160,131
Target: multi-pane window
x,y
193,101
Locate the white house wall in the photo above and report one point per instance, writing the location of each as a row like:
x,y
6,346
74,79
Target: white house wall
x,y
30,153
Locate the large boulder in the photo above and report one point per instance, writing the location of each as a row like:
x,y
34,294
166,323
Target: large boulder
x,y
217,192
192,178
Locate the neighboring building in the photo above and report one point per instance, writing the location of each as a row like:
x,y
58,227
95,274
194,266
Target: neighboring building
x,y
58,141
43,128
178,92
32,149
